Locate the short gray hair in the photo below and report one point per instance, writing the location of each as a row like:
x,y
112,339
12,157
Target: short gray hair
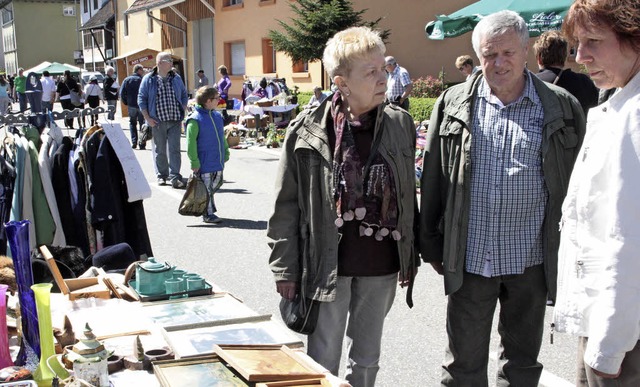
x,y
137,68
162,56
497,24
347,45
109,68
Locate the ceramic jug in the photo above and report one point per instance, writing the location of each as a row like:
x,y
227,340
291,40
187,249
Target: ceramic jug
x,y
150,276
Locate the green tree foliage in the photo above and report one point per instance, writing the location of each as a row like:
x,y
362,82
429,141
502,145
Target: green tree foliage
x,y
305,36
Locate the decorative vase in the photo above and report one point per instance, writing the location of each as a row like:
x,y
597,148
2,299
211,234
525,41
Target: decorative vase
x,y
43,374
5,355
18,237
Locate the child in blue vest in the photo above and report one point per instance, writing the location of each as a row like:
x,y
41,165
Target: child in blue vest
x,y
207,147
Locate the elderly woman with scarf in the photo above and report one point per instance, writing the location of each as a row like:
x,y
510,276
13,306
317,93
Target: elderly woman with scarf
x,y
342,230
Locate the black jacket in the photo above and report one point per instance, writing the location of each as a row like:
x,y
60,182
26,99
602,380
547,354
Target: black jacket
x,y
129,90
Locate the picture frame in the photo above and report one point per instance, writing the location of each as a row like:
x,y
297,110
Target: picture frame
x,y
266,363
297,383
195,312
203,371
200,341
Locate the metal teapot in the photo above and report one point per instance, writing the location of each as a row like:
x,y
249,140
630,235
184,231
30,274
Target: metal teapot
x,y
150,276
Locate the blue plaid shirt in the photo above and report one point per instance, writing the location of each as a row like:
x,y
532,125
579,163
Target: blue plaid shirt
x,y
167,106
396,81
508,192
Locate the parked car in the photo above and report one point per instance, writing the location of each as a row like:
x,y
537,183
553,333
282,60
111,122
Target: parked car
x,y
86,75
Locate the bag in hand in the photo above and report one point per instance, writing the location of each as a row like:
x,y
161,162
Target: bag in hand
x,y
145,133
75,98
195,199
300,314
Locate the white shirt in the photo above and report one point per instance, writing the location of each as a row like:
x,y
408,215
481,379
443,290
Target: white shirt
x,y
48,88
599,256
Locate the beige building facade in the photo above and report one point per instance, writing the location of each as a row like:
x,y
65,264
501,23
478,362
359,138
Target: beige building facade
x,y
205,34
38,31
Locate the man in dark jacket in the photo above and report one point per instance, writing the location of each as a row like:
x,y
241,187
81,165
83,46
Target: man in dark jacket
x,y
551,51
129,97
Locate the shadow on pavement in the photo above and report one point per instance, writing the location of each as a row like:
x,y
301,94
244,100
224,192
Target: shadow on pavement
x,y
244,224
233,190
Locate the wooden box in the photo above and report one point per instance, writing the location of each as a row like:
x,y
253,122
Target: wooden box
x,y
75,288
250,122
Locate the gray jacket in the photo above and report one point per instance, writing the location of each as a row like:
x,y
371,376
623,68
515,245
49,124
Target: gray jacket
x,y
445,200
301,231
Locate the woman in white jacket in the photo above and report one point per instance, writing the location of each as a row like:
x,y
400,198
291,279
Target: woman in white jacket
x,y
599,260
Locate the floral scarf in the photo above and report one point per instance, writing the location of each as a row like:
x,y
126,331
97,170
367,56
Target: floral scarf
x,y
366,196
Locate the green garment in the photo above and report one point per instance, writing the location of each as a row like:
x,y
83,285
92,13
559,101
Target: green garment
x,y
43,220
20,84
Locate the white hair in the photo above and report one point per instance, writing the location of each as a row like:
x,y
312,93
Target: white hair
x,y
347,45
497,24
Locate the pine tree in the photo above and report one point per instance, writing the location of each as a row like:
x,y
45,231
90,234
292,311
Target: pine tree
x,y
304,38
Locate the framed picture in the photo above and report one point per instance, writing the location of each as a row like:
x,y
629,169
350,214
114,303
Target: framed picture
x,y
194,312
258,363
200,341
297,383
206,371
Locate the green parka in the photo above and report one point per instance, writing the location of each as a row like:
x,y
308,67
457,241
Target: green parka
x,y
301,231
446,188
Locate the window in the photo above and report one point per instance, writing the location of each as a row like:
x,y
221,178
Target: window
x,y
234,54
7,14
301,67
68,10
149,25
95,5
230,3
125,25
85,6
88,41
268,57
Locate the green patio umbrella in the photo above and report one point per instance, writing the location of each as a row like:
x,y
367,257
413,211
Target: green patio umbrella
x,y
540,15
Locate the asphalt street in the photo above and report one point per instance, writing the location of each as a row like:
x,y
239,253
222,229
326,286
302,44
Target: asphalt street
x,y
234,255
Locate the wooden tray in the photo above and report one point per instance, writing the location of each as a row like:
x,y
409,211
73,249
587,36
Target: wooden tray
x,y
208,289
266,363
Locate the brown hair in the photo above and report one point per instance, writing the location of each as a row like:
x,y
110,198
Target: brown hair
x,y
223,70
464,60
206,93
621,16
551,49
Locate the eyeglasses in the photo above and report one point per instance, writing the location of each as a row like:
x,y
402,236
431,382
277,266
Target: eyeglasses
x,y
167,61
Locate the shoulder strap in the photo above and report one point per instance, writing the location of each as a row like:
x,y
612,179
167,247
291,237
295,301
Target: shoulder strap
x,y
555,81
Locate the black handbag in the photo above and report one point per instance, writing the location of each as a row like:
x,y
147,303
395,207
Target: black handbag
x,y
300,314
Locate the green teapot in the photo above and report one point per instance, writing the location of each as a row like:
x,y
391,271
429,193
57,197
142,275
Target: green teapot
x,y
150,276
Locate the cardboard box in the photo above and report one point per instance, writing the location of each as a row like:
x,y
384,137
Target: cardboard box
x,y
250,122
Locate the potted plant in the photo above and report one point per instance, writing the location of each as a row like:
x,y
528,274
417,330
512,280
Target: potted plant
x,y
275,136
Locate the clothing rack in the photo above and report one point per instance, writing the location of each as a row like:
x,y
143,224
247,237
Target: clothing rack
x,y
23,118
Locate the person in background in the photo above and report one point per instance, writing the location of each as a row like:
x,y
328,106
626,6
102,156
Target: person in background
x,y
332,238
4,95
93,96
261,90
163,99
19,90
598,269
207,147
129,96
464,64
399,83
551,50
498,155
48,92
110,88
224,84
317,98
63,91
201,79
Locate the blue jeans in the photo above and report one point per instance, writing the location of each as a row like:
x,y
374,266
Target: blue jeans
x,y
361,305
167,135
213,182
114,103
135,118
